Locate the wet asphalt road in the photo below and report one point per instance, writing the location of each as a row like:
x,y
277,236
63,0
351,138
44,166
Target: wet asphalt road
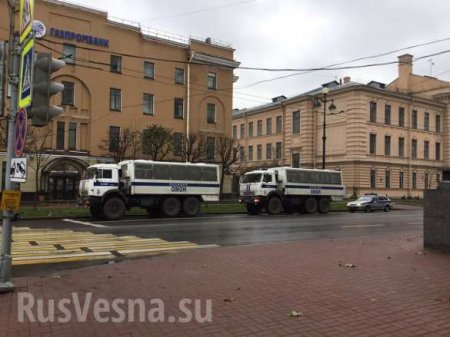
x,y
243,229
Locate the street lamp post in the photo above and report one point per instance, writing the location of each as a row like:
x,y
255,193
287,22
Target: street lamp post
x,y
325,92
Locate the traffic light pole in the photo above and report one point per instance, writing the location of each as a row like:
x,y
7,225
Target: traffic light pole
x,y
5,257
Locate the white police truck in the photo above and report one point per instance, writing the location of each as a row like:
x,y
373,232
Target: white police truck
x,y
168,187
289,189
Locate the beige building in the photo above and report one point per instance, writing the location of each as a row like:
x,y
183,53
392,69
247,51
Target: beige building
x,y
391,139
120,75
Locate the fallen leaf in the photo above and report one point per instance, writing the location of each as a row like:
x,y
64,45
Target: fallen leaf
x,y
229,300
389,257
294,313
205,266
350,265
238,288
373,299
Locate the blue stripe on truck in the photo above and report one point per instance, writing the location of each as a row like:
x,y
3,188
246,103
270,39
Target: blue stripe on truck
x,y
170,184
316,187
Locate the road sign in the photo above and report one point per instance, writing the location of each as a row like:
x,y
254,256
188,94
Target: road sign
x,y
18,170
26,73
10,200
39,29
21,132
26,18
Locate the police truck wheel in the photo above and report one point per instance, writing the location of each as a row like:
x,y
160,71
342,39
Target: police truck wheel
x,y
274,206
171,207
114,208
310,205
324,205
191,206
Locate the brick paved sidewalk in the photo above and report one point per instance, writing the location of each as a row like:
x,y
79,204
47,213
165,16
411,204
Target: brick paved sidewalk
x,y
394,290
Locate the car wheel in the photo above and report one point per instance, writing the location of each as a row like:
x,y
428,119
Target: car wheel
x,y
387,208
367,209
352,211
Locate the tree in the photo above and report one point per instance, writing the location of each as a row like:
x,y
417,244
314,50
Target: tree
x,y
36,146
157,141
193,149
227,155
125,146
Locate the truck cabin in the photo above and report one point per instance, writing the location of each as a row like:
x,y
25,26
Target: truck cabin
x,y
98,173
259,177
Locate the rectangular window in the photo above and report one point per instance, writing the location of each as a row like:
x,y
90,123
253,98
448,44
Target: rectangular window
x,y
414,180
414,149
401,116
438,123
279,124
210,148
242,131
401,183
148,104
438,178
259,128
401,147
426,150
269,126
296,122
250,152
179,76
69,53
211,113
114,138
296,160
438,151
149,70
373,178
115,99
116,64
269,151
414,119
426,181
72,136
388,179
426,121
60,133
242,153
373,144
250,129
177,143
373,112
234,131
387,145
387,114
278,150
212,81
259,152
67,97
178,110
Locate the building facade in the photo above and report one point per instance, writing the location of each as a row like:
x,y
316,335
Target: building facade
x,y
121,76
389,139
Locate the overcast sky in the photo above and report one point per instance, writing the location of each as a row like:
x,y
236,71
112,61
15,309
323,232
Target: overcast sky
x,y
302,34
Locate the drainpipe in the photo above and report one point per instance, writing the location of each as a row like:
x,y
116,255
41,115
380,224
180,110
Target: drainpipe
x,y
188,96
409,147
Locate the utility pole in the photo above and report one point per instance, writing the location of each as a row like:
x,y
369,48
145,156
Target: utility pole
x,y
13,80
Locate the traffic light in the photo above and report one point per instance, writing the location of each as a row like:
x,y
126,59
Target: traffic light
x,y
2,76
44,88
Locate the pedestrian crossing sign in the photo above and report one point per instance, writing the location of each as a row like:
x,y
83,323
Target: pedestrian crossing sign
x,y
26,75
26,18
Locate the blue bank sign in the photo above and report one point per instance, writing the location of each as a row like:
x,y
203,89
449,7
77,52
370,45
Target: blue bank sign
x,y
72,36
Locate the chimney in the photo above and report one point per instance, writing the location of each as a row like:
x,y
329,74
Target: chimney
x,y
404,72
208,40
347,79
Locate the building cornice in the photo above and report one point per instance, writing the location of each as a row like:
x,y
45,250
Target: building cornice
x,y
213,60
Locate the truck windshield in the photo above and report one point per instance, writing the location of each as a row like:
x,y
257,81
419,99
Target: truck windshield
x,y
251,178
89,173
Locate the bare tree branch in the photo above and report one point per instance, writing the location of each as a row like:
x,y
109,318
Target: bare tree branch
x,y
126,146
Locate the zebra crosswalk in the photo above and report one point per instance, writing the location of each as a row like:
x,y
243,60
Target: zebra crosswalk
x,y
45,246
